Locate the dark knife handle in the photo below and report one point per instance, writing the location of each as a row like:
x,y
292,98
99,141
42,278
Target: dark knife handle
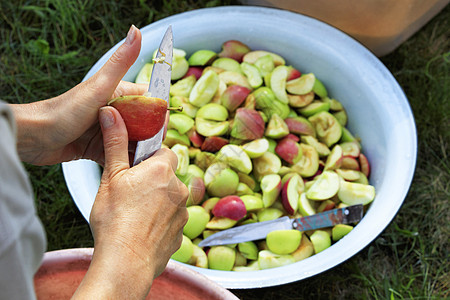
x,y
345,215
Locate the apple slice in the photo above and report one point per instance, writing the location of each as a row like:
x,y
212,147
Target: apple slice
x,y
350,163
319,89
362,179
268,259
276,128
308,165
184,253
220,223
209,204
234,49
235,157
188,109
181,122
301,126
325,186
253,75
234,96
193,71
231,207
352,193
204,159
198,218
182,153
211,128
183,86
321,240
202,58
243,189
228,64
252,202
221,258
350,149
290,194
252,56
321,148
302,85
299,101
334,160
213,143
326,205
340,230
196,187
234,78
256,148
304,206
268,163
283,241
198,258
220,180
265,65
278,83
249,250
252,266
268,214
212,112
271,188
348,175
144,74
204,89
304,250
328,129
248,124
173,137
364,164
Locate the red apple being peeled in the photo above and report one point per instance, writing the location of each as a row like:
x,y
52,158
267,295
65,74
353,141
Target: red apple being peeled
x,y
231,207
143,116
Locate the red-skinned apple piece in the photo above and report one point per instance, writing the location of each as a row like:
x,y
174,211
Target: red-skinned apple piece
x,y
290,194
293,73
213,143
350,163
196,71
364,164
234,49
248,124
143,116
231,207
234,96
196,138
289,150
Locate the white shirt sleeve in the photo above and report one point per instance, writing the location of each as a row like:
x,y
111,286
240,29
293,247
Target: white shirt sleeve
x,y
22,238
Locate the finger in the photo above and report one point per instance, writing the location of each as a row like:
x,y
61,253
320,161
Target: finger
x,y
112,72
167,154
115,140
129,88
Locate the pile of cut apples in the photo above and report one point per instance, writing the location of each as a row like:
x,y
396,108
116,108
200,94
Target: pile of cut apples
x,y
257,140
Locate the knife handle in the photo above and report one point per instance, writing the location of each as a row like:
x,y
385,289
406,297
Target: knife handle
x,y
329,218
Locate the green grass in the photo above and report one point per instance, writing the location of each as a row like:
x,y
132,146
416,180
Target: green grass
x,y
47,46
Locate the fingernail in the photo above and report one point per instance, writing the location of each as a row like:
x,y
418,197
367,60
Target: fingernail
x,y
131,35
106,118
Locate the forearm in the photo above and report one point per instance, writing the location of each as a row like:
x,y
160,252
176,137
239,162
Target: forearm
x,y
116,276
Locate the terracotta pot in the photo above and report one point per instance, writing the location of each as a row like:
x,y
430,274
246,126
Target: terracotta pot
x,y
62,271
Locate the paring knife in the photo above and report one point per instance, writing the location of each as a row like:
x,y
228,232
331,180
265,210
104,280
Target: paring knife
x,y
258,231
159,87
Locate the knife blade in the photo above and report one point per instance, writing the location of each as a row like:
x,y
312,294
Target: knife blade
x,y
159,87
258,231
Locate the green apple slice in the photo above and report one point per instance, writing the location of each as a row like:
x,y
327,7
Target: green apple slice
x,y
227,64
321,240
268,163
198,218
321,148
234,78
265,65
348,175
268,259
256,148
220,223
305,207
252,266
271,188
221,258
235,157
252,56
181,122
211,128
184,253
302,85
198,258
253,74
144,74
278,83
334,160
252,202
319,89
283,241
268,214
212,112
305,249
340,230
276,128
328,129
202,57
326,185
204,89
314,108
352,193
180,67
182,153
183,86
309,163
249,250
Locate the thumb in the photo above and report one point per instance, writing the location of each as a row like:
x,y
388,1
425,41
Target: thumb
x,y
112,72
115,141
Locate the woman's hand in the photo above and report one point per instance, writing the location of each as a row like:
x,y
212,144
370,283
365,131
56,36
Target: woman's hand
x,y
137,218
66,127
